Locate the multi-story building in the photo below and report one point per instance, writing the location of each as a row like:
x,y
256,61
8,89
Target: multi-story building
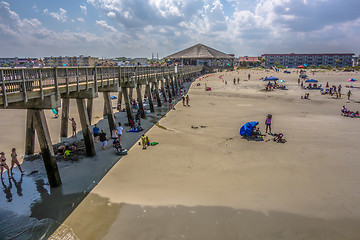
x,y
81,61
293,60
16,62
248,61
356,61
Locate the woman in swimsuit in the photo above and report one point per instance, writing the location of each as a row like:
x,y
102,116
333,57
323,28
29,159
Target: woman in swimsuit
x,y
3,164
14,161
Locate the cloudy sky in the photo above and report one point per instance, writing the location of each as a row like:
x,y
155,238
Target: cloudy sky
x,y
137,28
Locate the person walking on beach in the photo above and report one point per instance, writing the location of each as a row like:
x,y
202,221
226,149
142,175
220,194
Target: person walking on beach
x,y
349,94
119,131
14,161
103,139
234,81
96,131
73,125
3,164
249,77
268,123
183,100
238,80
187,100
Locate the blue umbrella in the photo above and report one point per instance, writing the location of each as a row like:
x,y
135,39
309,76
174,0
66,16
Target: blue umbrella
x,y
113,97
247,129
311,80
271,78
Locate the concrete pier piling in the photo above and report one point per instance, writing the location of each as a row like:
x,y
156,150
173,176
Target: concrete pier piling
x,y
140,101
85,126
46,147
108,110
149,94
157,93
64,117
30,134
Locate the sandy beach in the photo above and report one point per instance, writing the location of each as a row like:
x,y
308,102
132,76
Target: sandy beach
x,y
204,181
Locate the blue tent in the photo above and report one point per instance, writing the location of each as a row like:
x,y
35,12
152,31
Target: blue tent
x,y
113,97
247,129
271,78
311,80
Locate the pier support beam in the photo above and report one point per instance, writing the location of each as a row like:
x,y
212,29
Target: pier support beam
x,y
172,84
140,101
163,90
85,126
89,108
47,150
108,110
157,93
149,94
64,117
30,134
127,103
119,101
168,88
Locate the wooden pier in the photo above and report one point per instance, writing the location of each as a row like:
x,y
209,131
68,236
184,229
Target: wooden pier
x,y
36,89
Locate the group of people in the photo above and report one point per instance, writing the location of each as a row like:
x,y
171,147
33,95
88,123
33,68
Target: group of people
x,y
185,100
333,90
14,161
100,135
348,113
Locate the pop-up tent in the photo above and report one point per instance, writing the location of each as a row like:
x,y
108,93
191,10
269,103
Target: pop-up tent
x,y
247,129
271,78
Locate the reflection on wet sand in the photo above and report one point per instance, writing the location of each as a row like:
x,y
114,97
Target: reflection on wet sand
x,y
7,190
98,218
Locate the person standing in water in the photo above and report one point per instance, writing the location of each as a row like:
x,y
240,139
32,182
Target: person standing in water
x,y
14,161
3,164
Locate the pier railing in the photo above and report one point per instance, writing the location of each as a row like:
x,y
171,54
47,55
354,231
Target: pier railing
x,y
47,81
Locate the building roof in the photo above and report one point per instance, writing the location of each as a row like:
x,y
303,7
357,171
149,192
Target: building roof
x,y
199,51
248,59
305,54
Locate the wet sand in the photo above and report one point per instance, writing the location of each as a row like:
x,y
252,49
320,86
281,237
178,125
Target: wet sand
x,y
204,181
33,210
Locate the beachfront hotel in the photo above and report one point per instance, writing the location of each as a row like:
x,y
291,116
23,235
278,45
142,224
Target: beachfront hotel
x,y
293,60
81,61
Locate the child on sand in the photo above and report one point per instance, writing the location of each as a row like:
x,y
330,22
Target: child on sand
x,y
143,141
268,123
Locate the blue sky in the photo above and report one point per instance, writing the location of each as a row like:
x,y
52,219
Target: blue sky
x,y
137,28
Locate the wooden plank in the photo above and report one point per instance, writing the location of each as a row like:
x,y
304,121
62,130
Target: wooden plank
x,y
3,88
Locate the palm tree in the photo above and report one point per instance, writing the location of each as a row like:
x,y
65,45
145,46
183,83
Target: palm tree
x,y
262,60
337,62
277,63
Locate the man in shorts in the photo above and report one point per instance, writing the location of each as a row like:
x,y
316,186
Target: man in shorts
x,y
96,132
103,139
73,125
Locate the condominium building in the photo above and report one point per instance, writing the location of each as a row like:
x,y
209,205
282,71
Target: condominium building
x,y
356,61
293,60
70,61
16,61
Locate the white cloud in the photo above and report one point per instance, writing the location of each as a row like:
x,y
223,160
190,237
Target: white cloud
x,y
61,15
111,14
83,9
80,19
106,26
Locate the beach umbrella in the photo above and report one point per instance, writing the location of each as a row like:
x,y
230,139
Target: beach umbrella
x,y
311,80
281,81
271,78
301,66
352,80
113,97
247,128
